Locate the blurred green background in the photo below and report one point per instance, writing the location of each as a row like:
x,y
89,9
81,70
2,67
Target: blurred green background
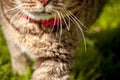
x,y
102,59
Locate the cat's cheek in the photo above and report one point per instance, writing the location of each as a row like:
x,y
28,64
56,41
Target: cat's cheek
x,y
49,8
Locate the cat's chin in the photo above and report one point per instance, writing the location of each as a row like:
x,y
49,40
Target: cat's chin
x,y
41,16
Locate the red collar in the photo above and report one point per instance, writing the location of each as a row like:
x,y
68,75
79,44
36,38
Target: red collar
x,y
45,23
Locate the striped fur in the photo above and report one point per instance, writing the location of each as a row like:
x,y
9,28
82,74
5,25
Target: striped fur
x,y
53,48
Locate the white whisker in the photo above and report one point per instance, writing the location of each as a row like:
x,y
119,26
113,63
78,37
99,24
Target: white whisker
x,y
14,16
77,19
68,24
18,20
57,25
60,24
65,22
53,25
17,7
71,18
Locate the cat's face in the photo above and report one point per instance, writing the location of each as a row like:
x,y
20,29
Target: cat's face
x,y
46,9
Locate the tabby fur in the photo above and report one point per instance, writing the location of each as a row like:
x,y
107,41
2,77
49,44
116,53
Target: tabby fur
x,y
52,49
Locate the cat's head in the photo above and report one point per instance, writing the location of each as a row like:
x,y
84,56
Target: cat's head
x,y
46,9
78,12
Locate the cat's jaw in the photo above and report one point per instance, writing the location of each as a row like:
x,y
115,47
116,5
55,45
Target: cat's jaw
x,y
45,23
44,13
47,17
38,16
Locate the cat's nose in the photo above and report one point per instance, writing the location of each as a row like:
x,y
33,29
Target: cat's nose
x,y
44,2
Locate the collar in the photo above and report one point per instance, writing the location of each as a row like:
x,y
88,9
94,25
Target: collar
x,y
46,23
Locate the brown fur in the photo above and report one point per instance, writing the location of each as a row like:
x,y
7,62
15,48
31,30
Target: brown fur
x,y
54,56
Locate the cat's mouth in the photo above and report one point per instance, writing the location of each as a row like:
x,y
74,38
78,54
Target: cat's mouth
x,y
45,23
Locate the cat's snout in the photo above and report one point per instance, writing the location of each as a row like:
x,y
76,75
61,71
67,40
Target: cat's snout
x,y
44,2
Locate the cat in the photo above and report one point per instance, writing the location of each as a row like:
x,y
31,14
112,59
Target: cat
x,y
47,32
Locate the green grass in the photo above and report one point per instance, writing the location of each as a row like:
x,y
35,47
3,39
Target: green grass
x,y
101,62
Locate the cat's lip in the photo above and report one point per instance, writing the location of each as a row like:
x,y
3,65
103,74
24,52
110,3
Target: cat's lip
x,y
45,23
38,13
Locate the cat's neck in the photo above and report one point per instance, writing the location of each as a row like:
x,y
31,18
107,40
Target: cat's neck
x,y
45,23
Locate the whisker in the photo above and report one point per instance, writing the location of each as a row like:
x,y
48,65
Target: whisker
x,y
53,24
70,13
18,20
14,16
60,24
57,25
69,24
65,21
77,19
90,31
78,24
17,7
